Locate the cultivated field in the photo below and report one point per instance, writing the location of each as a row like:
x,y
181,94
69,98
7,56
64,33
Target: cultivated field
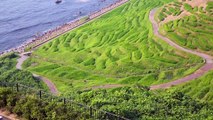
x,y
191,25
117,49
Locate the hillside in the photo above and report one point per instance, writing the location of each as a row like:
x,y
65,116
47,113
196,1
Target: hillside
x,y
119,66
135,103
111,53
200,88
189,24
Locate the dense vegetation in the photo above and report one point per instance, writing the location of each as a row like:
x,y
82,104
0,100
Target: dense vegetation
x,y
132,102
106,51
200,88
32,108
9,74
139,103
193,31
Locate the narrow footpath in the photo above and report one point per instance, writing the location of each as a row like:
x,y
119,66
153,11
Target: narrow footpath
x,y
201,71
48,82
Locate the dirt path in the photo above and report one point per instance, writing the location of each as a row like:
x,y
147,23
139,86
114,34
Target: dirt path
x,y
201,71
49,83
21,60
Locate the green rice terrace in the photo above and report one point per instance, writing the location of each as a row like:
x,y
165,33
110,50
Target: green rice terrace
x,y
147,59
193,29
119,48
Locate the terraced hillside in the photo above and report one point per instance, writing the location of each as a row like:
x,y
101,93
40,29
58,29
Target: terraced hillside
x,y
189,24
118,49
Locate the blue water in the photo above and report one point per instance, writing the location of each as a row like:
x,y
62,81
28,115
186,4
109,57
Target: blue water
x,y
20,20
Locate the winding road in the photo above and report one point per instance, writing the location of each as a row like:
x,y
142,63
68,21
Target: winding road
x,y
48,82
201,71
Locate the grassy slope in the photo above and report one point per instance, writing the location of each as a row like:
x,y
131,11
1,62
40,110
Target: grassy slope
x,y
194,31
118,48
200,88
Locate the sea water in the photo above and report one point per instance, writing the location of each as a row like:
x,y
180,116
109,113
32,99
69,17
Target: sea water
x,y
20,20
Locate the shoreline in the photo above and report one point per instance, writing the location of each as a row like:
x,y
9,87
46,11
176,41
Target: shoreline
x,y
60,30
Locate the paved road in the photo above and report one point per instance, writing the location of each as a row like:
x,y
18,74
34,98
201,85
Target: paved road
x,y
49,83
201,71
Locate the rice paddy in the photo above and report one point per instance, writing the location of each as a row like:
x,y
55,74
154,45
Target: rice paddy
x,y
117,48
193,30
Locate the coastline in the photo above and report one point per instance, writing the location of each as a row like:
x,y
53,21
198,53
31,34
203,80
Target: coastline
x,y
51,34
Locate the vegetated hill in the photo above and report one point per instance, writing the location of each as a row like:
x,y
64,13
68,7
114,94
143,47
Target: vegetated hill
x,y
189,24
9,74
135,103
200,88
118,48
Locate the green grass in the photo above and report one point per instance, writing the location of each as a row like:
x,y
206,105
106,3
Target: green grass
x,y
118,48
194,31
200,88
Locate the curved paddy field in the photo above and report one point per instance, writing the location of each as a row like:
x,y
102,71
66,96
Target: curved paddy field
x,y
119,48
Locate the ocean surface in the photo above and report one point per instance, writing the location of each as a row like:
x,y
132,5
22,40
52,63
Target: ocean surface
x,y
20,20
